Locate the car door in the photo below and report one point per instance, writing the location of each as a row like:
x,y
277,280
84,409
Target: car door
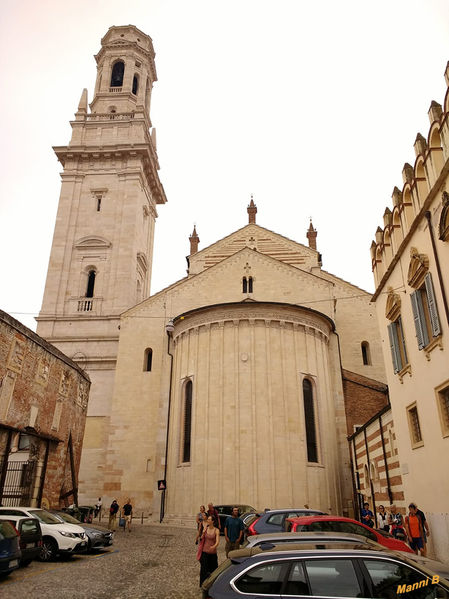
x,y
325,577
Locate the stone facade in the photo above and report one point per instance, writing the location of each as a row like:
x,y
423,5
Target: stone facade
x,y
411,265
43,405
102,251
228,383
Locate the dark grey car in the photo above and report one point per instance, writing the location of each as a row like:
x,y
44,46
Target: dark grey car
x,y
273,520
345,570
97,537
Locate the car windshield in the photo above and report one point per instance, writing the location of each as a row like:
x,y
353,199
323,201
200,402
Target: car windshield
x,y
45,516
66,518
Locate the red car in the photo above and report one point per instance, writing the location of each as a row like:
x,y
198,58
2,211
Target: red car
x,y
341,524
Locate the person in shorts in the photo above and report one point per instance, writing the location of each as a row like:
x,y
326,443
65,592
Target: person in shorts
x,y
414,529
128,514
233,531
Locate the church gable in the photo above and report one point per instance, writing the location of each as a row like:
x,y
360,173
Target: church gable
x,y
256,238
247,275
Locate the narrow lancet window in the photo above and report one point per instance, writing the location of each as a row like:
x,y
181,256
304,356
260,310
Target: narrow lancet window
x,y
148,359
250,285
309,415
90,283
135,84
118,71
245,285
187,428
366,353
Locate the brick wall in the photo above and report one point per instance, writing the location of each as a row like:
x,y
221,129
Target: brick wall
x,y
364,397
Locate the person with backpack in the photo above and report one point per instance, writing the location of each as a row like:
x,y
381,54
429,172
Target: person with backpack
x,y
415,529
396,524
112,525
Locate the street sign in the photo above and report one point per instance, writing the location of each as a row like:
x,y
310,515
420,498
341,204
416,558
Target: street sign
x,y
161,485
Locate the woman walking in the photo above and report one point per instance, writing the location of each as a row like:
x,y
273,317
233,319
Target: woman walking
x,y
201,518
383,519
208,558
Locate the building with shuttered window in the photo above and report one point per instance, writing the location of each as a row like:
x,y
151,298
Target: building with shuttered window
x,y
410,258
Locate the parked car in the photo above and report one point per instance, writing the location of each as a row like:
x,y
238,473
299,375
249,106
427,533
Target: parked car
x,y
10,553
226,510
30,537
97,537
268,540
57,537
341,524
335,571
273,520
82,513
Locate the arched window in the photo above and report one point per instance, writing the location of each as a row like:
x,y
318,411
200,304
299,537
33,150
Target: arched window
x,y
250,285
366,354
90,283
309,415
148,359
135,84
118,70
187,422
245,285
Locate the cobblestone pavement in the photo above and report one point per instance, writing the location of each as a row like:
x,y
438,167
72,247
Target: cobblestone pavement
x,y
150,562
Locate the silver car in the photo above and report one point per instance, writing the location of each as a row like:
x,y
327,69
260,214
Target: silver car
x,y
269,540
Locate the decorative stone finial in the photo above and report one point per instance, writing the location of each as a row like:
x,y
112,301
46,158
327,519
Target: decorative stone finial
x,y
194,241
379,235
387,217
82,106
252,211
311,236
396,196
435,112
420,145
408,174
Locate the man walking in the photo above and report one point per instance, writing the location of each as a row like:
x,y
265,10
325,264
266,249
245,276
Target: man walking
x,y
367,515
415,530
128,515
112,525
426,530
233,531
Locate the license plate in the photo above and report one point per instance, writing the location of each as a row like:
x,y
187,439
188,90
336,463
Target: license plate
x,y
13,563
28,545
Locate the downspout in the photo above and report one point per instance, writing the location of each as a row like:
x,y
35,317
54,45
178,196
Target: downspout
x,y
169,330
369,475
390,494
437,262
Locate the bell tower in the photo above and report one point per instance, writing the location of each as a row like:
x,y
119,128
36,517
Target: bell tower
x,y
102,250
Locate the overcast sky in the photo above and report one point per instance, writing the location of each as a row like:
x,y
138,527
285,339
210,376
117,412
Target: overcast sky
x,y
312,106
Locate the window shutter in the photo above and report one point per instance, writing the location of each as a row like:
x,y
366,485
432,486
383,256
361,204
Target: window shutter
x,y
395,353
400,332
434,320
418,316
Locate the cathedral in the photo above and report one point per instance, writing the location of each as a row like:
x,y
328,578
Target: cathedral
x,y
226,386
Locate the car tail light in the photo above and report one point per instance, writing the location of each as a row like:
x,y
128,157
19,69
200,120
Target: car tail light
x,y
251,527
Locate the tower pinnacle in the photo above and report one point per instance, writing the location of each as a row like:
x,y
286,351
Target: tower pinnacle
x,y
194,241
311,235
252,211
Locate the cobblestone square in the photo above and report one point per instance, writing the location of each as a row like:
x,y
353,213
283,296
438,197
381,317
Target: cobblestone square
x,y
150,562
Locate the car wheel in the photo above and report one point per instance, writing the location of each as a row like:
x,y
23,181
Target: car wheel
x,y
49,549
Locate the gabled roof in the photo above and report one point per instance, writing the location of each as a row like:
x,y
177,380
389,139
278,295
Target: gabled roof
x,y
255,237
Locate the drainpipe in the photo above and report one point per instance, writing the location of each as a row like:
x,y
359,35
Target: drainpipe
x,y
169,327
390,494
437,262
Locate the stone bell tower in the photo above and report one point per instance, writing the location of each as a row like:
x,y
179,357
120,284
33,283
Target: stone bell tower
x,y
102,251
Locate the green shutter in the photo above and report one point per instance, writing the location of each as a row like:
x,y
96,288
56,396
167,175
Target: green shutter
x,y
419,318
433,311
395,353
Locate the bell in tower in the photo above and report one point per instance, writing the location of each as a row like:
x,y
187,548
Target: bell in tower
x,y
102,250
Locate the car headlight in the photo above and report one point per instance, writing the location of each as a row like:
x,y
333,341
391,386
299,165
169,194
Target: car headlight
x,y
67,534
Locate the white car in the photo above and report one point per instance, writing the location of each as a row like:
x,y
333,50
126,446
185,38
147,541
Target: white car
x,y
57,537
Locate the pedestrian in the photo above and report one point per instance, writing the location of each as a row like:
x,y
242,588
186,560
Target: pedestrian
x,y
233,531
208,557
396,524
211,511
383,519
112,525
200,523
414,529
367,515
426,530
128,515
98,507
